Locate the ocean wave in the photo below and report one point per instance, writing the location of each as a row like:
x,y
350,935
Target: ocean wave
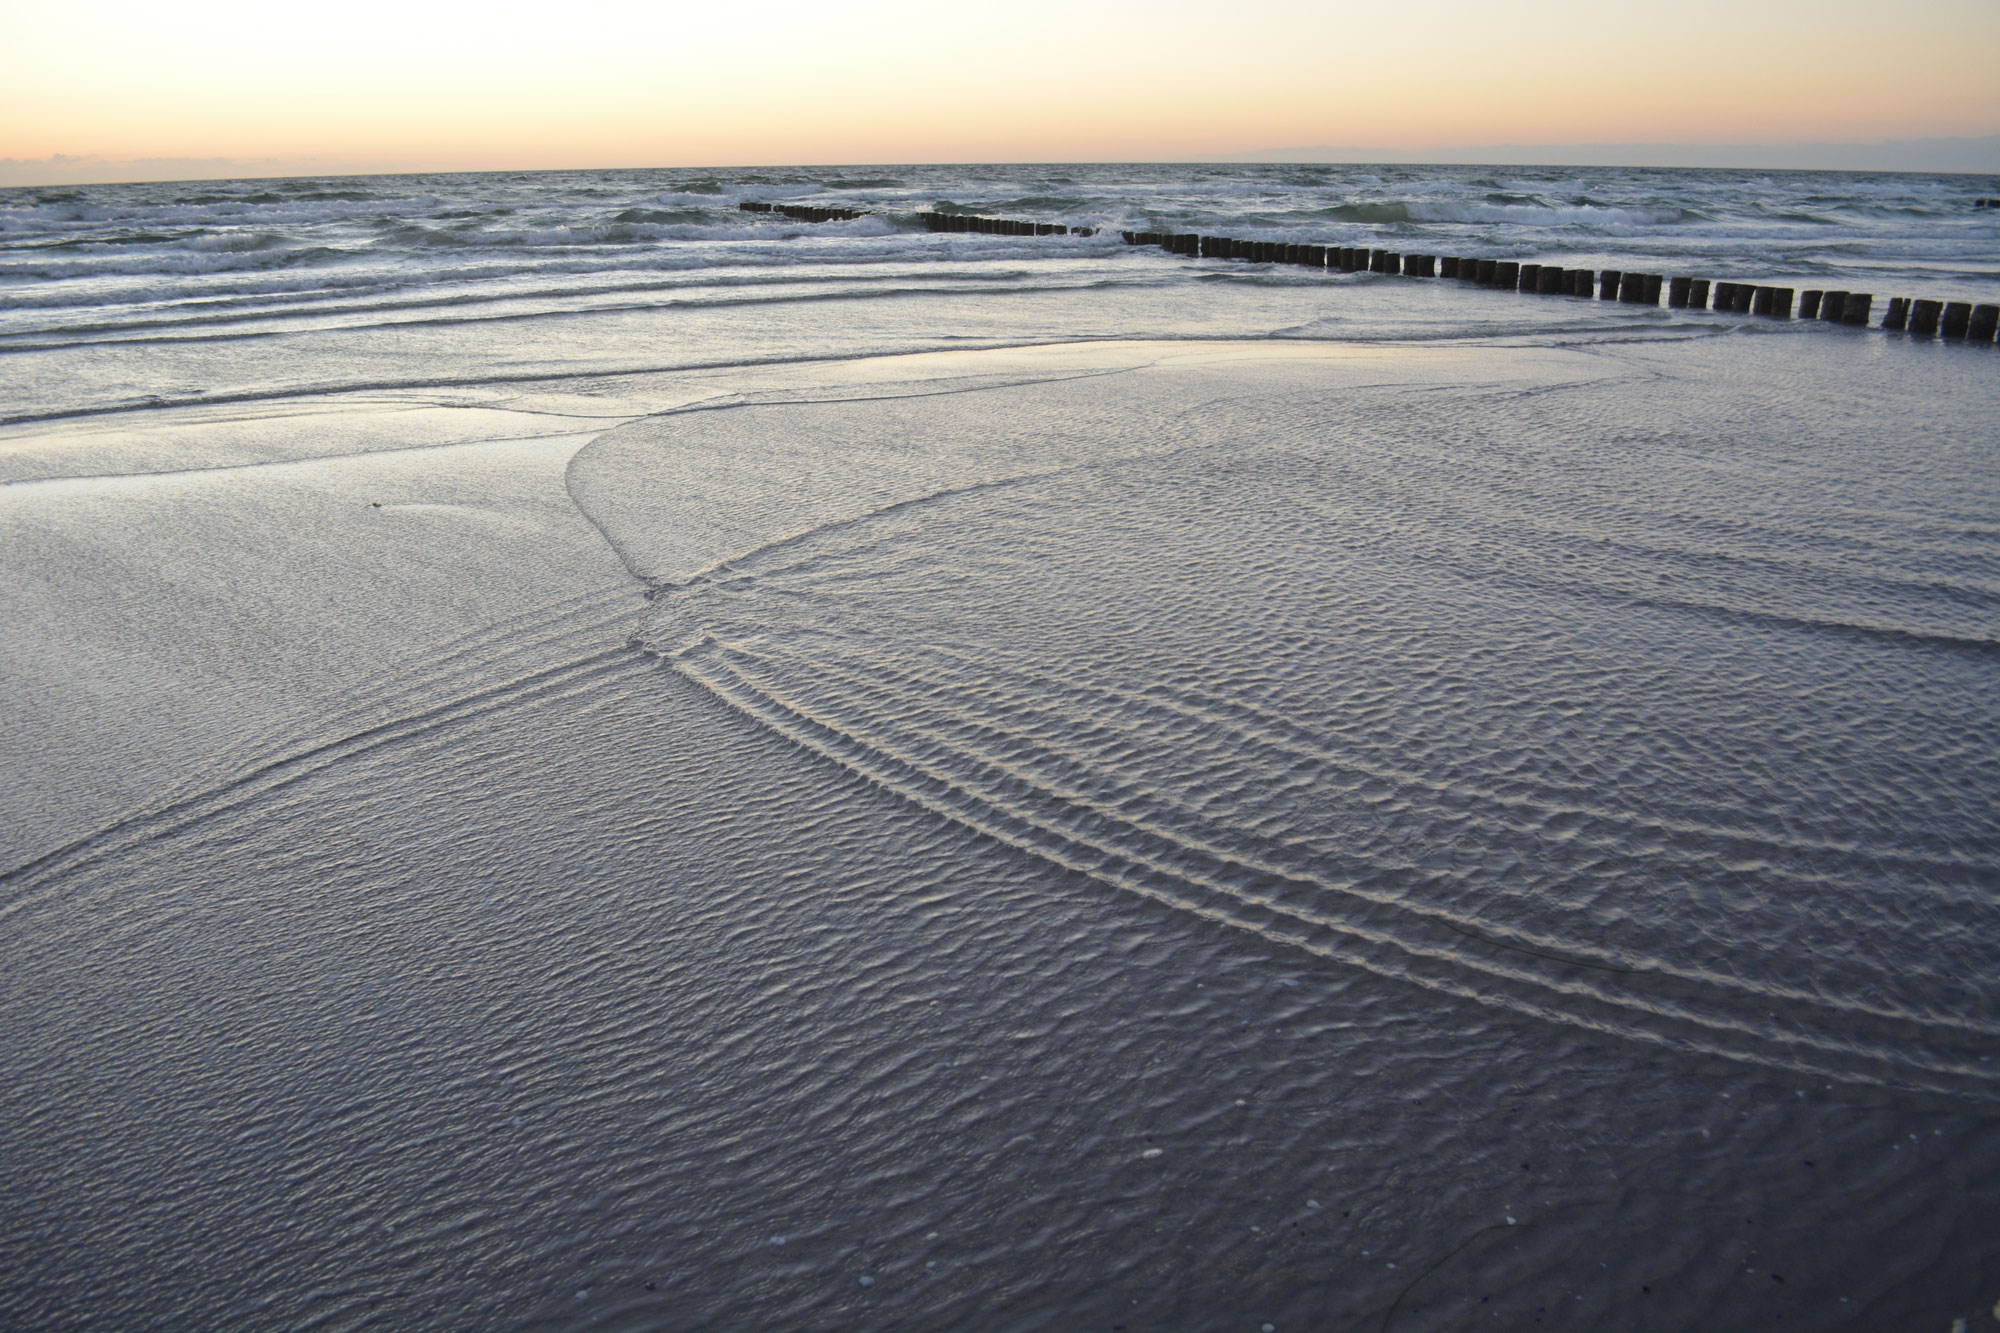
x,y
175,263
145,245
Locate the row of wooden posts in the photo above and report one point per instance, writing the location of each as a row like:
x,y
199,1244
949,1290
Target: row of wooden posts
x,y
932,221
1954,319
998,226
804,212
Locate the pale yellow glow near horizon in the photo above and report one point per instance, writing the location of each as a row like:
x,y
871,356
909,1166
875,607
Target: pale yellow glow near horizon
x,y
426,85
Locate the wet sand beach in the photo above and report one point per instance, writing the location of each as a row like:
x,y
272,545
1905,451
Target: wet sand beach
x,y
1062,802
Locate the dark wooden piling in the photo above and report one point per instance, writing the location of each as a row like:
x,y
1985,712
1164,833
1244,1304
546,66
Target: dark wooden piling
x,y
1984,323
1632,288
1531,277
1551,281
1725,297
1957,319
1698,294
1652,295
1897,316
1507,274
1809,300
1832,305
1855,309
1781,302
1607,284
1760,301
1677,292
1419,266
1741,298
1582,281
1448,266
1924,318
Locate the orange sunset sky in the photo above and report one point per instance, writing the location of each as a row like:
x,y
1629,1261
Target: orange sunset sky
x,y
378,85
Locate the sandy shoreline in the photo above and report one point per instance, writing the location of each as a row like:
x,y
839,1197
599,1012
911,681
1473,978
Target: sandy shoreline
x,y
434,946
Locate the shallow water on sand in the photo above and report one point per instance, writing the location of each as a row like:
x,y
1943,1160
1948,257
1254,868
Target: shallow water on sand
x,y
1483,822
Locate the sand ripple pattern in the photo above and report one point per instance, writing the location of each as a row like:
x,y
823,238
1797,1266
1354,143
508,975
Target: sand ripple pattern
x,y
1645,761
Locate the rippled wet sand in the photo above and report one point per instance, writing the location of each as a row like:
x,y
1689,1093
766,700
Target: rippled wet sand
x,y
1161,838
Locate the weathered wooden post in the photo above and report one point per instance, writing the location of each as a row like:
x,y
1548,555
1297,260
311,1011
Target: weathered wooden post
x,y
1651,296
1551,281
1698,294
1531,277
1581,281
1483,273
1607,284
1507,273
1924,318
1984,324
1448,266
1809,300
1632,287
1677,292
1957,318
1781,302
1897,316
1832,305
1855,311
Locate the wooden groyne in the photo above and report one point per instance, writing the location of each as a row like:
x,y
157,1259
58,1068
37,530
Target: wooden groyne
x,y
805,212
972,222
932,221
1957,320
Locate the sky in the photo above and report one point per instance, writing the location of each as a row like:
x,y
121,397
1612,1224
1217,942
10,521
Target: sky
x,y
228,87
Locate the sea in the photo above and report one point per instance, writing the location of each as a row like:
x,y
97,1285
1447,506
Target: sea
x,y
190,289
588,758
